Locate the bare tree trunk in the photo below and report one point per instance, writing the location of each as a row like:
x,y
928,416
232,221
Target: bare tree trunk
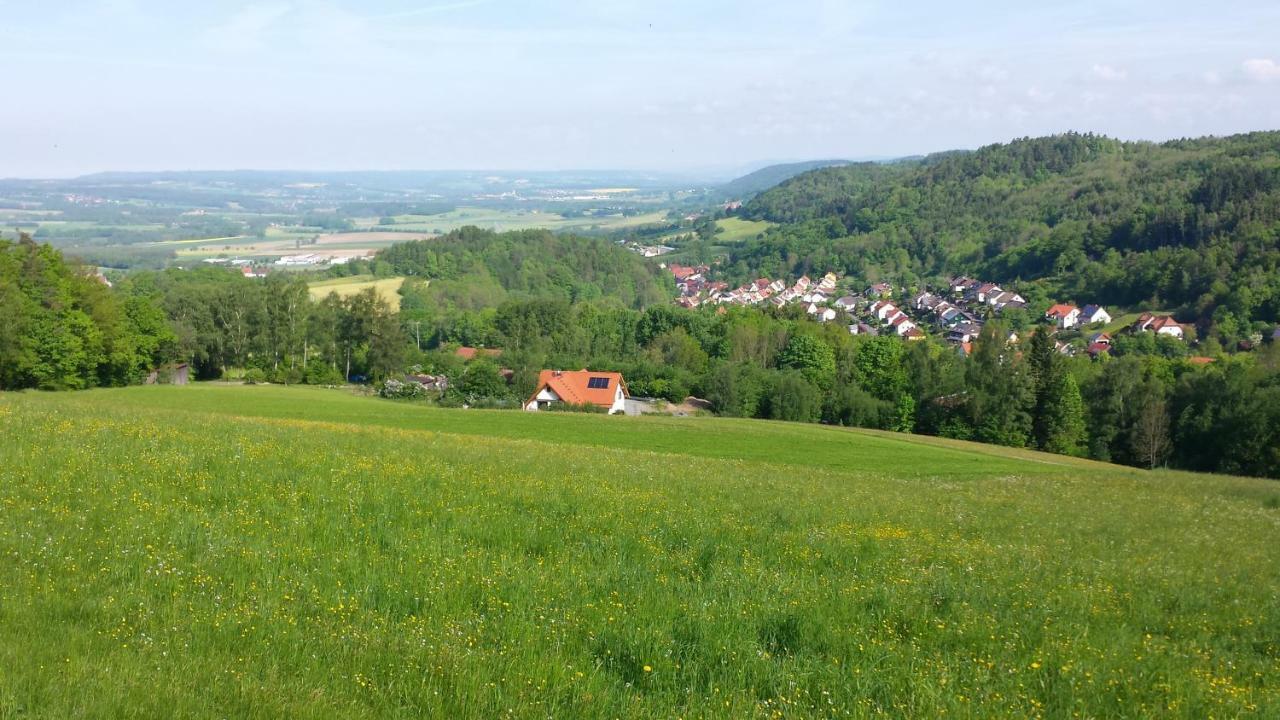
x,y
1151,434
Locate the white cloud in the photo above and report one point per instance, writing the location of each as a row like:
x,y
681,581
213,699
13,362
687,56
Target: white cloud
x,y
1110,73
1262,69
246,29
1041,96
430,10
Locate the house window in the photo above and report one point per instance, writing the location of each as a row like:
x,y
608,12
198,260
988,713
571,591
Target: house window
x,y
598,383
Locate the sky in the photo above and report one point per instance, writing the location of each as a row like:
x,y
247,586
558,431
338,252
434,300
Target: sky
x,y
674,85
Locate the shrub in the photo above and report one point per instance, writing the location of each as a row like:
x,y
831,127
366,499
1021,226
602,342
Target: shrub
x,y
321,374
570,407
397,390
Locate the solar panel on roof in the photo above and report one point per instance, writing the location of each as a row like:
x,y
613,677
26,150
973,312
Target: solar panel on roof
x,y
598,383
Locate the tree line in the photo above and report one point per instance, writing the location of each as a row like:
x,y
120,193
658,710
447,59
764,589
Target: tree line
x,y
1145,407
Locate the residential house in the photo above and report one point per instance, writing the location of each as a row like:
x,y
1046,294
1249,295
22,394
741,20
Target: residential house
x,y
603,389
925,301
883,310
825,315
847,303
901,324
880,290
1003,299
1093,314
961,284
951,316
1064,316
985,290
1159,324
964,333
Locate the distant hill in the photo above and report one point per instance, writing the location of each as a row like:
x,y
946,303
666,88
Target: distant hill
x,y
765,178
1188,224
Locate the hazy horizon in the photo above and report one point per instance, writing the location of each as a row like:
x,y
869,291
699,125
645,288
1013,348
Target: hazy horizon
x,y
659,87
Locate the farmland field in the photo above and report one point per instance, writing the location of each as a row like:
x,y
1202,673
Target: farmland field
x,y
502,220
281,552
388,288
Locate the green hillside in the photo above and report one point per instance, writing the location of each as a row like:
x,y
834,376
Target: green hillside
x,y
1189,224
278,552
767,177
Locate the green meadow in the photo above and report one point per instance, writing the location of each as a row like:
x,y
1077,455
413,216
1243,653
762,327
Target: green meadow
x,y
736,229
265,552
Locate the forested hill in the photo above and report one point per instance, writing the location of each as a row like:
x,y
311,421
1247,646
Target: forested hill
x,y
482,268
1192,225
770,176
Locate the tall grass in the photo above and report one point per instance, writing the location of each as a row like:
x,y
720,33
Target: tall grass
x,y
162,554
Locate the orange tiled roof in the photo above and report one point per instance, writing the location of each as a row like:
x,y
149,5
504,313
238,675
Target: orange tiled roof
x,y
572,386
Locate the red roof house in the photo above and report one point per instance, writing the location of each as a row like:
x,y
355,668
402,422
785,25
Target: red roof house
x,y
583,387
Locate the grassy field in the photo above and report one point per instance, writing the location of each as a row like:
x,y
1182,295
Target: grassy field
x,y
1122,322
282,552
737,229
388,288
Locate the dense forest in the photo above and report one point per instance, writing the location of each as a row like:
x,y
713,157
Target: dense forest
x,y
456,282
1190,226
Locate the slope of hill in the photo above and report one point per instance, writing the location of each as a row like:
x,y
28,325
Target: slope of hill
x,y
1189,224
767,177
470,265
268,552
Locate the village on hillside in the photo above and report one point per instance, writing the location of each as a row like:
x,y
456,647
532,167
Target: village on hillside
x,y
956,313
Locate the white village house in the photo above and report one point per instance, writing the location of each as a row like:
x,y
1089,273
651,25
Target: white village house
x,y
1093,314
582,387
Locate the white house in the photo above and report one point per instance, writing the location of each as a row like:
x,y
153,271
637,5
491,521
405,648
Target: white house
x,y
583,387
1064,316
1160,324
1094,314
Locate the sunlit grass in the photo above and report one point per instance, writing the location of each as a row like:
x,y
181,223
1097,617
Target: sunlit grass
x,y
266,552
